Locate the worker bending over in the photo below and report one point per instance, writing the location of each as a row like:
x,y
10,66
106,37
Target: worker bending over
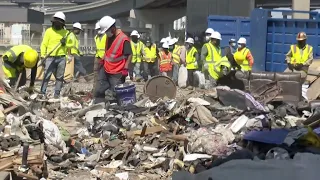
x,y
75,51
191,60
137,53
243,56
229,51
100,40
165,61
14,62
150,62
211,55
55,36
300,56
116,59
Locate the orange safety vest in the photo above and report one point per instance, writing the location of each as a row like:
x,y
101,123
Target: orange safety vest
x,y
165,63
114,60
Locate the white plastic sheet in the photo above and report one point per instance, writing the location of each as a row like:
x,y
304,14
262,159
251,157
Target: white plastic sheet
x,y
183,77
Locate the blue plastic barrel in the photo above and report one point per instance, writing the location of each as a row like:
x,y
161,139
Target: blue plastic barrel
x,y
126,94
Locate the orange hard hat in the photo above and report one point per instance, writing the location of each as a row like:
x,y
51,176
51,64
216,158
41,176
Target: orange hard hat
x,y
301,36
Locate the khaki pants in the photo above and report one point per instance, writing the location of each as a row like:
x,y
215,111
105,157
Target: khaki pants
x,y
302,72
96,68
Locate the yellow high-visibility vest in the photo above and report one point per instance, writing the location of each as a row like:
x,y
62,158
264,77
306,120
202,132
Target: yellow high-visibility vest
x,y
176,54
241,58
100,45
136,51
75,48
298,58
150,53
191,59
213,56
11,67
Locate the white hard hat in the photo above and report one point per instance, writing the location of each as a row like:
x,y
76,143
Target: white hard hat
x,y
175,40
209,31
163,40
77,25
171,42
97,26
60,15
165,45
168,38
242,40
105,23
216,35
190,40
135,33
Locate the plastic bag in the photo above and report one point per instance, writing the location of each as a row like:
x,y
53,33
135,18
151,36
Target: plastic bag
x,y
183,77
199,79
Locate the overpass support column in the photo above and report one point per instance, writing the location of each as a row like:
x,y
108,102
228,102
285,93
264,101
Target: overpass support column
x,y
85,37
160,31
299,5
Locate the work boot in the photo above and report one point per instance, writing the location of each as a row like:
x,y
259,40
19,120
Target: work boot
x,y
87,78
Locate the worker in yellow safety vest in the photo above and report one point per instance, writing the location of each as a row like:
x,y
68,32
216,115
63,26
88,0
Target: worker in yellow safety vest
x,y
178,56
54,46
137,53
15,61
212,56
204,50
243,56
100,40
150,60
76,52
192,59
300,56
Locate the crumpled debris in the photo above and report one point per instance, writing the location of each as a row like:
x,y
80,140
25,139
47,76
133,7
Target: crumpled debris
x,y
210,141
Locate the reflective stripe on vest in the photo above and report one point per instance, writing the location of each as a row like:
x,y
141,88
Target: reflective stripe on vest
x,y
151,53
176,54
13,54
297,56
136,51
191,59
211,54
100,45
114,51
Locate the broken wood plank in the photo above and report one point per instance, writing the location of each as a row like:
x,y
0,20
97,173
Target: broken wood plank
x,y
149,130
10,109
28,176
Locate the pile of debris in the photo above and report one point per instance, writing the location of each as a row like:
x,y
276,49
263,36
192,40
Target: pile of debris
x,y
155,138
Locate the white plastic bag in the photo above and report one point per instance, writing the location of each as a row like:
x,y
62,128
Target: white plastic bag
x,y
183,77
199,78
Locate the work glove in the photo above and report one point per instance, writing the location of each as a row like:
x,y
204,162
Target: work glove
x,y
124,72
69,58
298,66
290,66
206,66
63,41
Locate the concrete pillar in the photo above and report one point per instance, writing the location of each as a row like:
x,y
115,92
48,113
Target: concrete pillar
x,y
85,37
134,23
301,5
155,32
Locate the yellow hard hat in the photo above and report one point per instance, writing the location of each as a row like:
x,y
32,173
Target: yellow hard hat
x,y
30,58
301,36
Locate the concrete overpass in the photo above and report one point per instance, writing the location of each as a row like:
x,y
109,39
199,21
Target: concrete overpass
x,y
162,13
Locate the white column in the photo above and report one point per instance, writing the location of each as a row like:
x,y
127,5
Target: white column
x,y
301,5
155,32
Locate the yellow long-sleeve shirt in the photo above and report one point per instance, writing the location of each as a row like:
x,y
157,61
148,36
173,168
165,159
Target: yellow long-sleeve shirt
x,y
51,39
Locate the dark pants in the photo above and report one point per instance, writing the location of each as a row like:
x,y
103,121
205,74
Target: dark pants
x,y
149,69
96,69
78,66
190,77
106,84
23,79
55,65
